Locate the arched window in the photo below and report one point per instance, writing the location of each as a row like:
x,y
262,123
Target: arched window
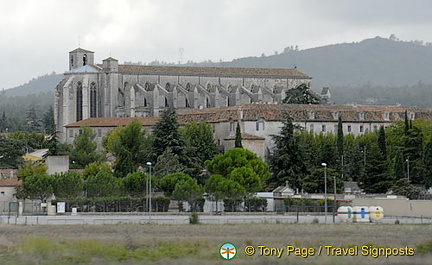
x,y
84,59
187,103
145,102
207,103
166,103
167,86
93,100
79,102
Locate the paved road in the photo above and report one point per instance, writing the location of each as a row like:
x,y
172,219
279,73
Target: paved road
x,y
181,219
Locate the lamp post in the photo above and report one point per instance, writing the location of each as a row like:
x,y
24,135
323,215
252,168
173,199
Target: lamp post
x,y
149,194
407,160
334,198
325,191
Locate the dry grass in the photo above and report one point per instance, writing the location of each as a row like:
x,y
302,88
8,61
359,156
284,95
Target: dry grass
x,y
191,244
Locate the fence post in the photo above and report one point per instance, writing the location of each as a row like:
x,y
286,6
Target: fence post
x,y
297,208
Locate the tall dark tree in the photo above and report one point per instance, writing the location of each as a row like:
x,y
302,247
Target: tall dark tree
x,y
288,160
48,121
382,141
376,178
340,144
428,163
238,137
166,135
301,95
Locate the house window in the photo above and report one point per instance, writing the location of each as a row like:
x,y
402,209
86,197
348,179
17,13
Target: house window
x,y
361,128
335,129
260,126
79,102
412,116
312,115
232,126
2,194
375,128
323,128
361,115
335,115
311,127
386,116
99,132
349,128
93,101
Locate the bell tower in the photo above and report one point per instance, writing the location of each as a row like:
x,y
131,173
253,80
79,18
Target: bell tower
x,y
80,57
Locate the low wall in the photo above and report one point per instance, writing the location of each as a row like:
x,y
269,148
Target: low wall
x,y
398,207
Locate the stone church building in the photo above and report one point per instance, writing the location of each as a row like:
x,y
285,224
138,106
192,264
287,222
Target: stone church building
x,y
90,90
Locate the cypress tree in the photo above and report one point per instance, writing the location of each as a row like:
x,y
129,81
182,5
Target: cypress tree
x,y
238,137
382,141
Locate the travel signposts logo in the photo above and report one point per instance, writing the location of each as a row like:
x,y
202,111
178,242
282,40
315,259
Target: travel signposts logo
x,y
228,251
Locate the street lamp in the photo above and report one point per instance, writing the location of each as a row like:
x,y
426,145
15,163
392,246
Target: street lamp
x,y
334,198
407,160
325,190
149,191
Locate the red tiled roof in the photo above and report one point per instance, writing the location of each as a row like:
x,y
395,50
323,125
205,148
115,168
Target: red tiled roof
x,y
273,112
113,122
9,182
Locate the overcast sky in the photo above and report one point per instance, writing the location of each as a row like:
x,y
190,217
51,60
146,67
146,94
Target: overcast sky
x,y
36,36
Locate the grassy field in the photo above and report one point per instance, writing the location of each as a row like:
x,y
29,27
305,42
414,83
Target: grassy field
x,y
199,244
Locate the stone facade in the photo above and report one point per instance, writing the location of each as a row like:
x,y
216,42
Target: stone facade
x,y
91,90
258,122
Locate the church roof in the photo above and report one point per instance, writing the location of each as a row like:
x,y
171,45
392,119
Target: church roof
x,y
81,50
213,71
84,69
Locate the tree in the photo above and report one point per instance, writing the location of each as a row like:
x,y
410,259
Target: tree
x,y
403,187
103,184
84,149
287,163
199,147
37,187
301,95
127,145
219,187
11,151
33,123
48,121
314,183
238,137
68,185
29,169
135,183
168,182
242,166
166,135
382,141
428,163
94,168
376,178
340,142
188,190
167,163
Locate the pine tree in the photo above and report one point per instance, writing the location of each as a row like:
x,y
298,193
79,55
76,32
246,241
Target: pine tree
x,y
288,160
84,148
340,144
166,135
238,137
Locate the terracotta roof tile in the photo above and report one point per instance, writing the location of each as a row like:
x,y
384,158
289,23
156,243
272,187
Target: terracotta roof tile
x,y
9,182
273,112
